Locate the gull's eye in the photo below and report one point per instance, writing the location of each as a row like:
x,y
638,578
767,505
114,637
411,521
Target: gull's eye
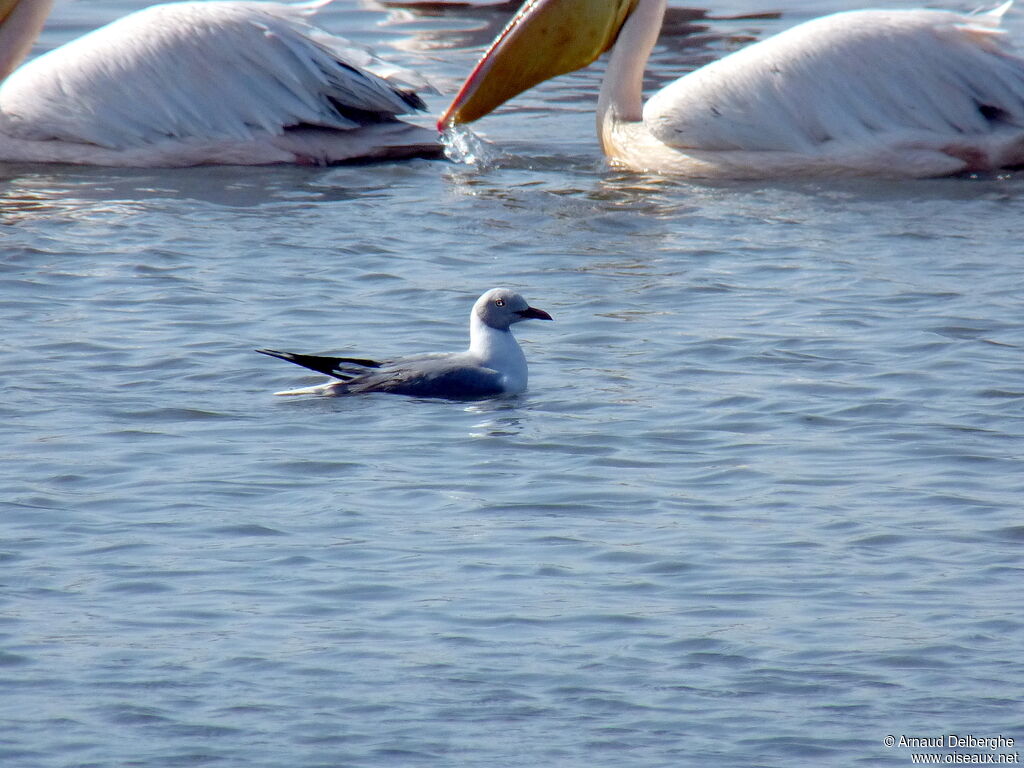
x,y
499,302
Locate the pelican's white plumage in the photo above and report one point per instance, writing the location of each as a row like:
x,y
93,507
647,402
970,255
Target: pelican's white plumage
x,y
216,82
916,93
910,93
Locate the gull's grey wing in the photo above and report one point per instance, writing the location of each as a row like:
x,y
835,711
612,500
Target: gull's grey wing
x,y
450,377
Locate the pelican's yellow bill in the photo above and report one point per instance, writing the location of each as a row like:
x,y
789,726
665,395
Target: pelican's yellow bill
x,y
546,38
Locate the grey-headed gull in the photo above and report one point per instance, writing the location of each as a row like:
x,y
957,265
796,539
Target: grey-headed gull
x,y
493,365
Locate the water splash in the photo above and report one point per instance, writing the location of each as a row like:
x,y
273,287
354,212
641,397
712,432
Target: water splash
x,y
463,146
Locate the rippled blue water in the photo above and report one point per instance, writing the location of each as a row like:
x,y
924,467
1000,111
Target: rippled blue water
x,y
761,505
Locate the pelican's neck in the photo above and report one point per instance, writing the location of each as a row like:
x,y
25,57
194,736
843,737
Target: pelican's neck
x,y
621,97
498,350
19,29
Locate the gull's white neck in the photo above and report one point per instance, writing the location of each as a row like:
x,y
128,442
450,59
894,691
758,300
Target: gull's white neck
x,y
498,350
621,97
19,31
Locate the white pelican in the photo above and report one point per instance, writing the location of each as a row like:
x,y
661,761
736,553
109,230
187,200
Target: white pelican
x,y
197,83
908,93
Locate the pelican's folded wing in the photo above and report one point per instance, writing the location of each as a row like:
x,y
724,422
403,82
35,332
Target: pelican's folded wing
x,y
202,70
852,77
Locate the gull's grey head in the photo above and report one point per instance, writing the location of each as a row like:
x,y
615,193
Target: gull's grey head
x,y
501,307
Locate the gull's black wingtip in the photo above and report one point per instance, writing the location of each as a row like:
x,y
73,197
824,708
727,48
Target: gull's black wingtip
x,y
273,353
331,366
